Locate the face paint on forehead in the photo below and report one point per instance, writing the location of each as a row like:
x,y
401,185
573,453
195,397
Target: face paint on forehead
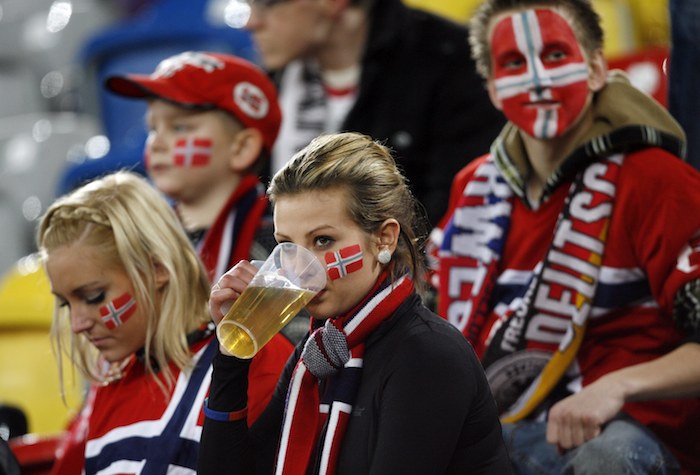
x,y
118,311
546,47
540,72
192,152
343,262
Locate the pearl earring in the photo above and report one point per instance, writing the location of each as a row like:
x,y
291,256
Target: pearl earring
x,y
384,256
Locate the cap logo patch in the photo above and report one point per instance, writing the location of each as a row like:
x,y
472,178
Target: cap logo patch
x,y
168,67
251,100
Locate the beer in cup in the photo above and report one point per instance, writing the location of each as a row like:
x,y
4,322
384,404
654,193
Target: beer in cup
x,y
289,278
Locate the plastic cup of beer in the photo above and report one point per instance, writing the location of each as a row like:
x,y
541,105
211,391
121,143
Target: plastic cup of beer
x,y
288,280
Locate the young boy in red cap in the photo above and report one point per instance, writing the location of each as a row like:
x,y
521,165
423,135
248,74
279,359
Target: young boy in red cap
x,y
212,120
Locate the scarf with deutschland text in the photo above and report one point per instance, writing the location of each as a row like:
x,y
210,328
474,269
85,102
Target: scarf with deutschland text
x,y
561,287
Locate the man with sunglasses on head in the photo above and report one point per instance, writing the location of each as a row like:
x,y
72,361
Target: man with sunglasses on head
x,y
400,75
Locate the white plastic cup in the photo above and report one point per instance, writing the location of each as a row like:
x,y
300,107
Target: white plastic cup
x,y
287,280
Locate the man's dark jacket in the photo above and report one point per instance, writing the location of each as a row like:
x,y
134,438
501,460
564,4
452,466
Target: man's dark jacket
x,y
421,96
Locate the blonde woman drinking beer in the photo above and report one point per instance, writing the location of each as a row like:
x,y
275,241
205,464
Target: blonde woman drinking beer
x,y
381,384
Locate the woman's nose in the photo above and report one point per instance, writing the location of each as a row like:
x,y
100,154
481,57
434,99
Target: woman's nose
x,y
80,321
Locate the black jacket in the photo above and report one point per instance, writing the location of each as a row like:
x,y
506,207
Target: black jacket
x,y
420,94
420,91
423,406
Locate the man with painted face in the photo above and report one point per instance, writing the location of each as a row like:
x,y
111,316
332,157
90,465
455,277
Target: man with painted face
x,y
569,257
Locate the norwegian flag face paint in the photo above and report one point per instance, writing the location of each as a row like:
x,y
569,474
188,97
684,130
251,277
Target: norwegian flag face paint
x,y
540,72
343,262
118,311
192,152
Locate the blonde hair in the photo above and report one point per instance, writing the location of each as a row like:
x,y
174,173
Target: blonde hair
x,y
375,188
133,228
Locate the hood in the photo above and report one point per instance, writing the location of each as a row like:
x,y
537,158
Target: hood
x,y
619,104
624,119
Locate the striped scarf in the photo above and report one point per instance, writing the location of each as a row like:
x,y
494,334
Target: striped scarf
x,y
473,244
231,237
313,427
570,268
303,100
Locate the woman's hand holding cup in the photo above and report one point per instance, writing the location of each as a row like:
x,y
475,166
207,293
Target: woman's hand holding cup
x,y
229,287
252,306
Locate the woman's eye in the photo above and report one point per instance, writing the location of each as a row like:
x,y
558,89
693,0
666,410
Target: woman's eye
x,y
323,241
62,303
95,298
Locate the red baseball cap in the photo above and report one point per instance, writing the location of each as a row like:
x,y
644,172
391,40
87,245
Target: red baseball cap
x,y
205,80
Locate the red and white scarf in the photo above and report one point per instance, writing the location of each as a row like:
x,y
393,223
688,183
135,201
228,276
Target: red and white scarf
x,y
230,238
311,107
314,426
469,257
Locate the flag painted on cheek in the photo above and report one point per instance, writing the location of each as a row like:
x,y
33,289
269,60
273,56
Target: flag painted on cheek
x,y
118,311
343,262
192,152
540,72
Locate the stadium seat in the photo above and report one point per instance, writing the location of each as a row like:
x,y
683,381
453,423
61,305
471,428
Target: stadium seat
x,y
34,151
137,45
30,383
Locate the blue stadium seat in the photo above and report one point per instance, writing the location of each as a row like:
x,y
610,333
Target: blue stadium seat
x,y
137,45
